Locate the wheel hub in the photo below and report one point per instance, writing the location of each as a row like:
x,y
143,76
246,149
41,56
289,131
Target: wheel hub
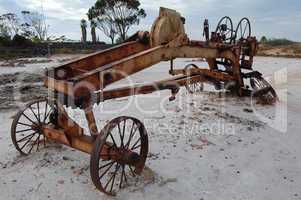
x,y
128,157
37,126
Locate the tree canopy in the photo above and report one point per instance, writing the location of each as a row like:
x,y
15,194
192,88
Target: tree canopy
x,y
32,26
36,24
116,17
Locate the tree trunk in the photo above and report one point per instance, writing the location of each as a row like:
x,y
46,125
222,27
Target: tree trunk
x,y
112,40
93,34
84,35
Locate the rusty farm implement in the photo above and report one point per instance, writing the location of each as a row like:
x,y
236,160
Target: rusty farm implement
x,y
120,149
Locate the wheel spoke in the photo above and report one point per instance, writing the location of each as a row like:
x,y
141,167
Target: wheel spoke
x,y
23,139
132,134
30,108
39,111
113,140
119,131
28,118
121,179
25,130
33,144
134,146
132,171
115,173
51,109
112,185
123,168
38,145
46,108
245,30
24,124
116,170
106,170
27,142
123,132
106,165
31,117
44,140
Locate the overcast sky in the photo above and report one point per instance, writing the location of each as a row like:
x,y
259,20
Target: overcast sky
x,y
273,18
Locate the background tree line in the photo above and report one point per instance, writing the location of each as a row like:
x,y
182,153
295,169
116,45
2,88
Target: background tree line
x,y
276,41
30,28
113,18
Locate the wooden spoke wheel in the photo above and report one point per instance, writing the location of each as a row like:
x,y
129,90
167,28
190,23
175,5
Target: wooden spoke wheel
x,y
263,90
193,87
26,132
243,30
119,153
225,29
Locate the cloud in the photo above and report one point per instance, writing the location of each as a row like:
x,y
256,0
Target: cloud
x,y
281,19
64,9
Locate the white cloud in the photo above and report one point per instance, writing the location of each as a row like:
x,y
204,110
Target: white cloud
x,y
64,15
64,9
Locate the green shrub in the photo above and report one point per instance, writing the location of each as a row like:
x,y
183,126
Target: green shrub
x,y
5,41
19,40
263,40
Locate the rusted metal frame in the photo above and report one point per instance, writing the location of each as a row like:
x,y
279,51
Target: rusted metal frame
x,y
72,129
169,84
231,54
96,60
98,97
113,72
99,78
73,133
212,45
84,143
221,76
60,86
91,121
108,74
92,79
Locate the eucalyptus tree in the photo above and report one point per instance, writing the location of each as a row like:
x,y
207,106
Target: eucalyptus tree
x,y
116,17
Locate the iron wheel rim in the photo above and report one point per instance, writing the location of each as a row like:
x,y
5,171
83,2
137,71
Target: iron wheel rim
x,y
31,135
98,170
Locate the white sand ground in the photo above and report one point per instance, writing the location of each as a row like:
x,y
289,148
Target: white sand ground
x,y
213,149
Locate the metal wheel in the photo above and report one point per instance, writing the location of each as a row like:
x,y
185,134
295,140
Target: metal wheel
x,y
263,90
225,29
26,132
196,87
243,30
119,153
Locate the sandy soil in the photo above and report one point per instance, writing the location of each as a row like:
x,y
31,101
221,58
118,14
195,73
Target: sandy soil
x,y
205,146
286,51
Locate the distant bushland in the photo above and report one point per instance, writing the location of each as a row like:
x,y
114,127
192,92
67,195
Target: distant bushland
x,y
17,40
279,47
276,41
